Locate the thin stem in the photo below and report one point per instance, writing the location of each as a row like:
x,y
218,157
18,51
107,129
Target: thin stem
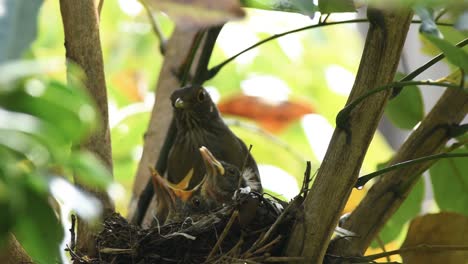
x,y
441,13
213,71
433,61
344,113
156,28
364,179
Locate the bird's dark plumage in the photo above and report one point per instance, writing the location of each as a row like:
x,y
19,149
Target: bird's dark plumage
x,y
199,124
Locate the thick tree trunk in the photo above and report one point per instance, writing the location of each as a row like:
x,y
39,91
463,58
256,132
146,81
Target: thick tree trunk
x,y
385,196
13,253
348,146
83,47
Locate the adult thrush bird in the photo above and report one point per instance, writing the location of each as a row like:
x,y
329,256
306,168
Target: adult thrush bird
x,y
199,124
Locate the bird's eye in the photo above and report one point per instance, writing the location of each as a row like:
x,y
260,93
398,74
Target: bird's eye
x,y
201,95
196,202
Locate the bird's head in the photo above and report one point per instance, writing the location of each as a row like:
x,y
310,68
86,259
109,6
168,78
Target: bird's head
x,y
193,102
221,179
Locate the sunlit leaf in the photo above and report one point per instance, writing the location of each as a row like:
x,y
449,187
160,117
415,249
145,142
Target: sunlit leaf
x,y
455,55
304,7
407,109
442,229
54,103
336,6
25,146
450,183
408,209
199,13
18,26
38,230
89,170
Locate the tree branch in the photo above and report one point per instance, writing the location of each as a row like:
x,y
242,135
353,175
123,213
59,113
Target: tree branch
x,y
343,160
12,252
385,197
83,46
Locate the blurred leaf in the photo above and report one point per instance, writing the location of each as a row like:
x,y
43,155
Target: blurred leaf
x,y
272,116
25,147
354,200
455,55
428,25
85,205
199,13
304,7
55,103
38,230
442,229
462,22
456,78
407,109
336,6
450,183
89,170
408,209
18,26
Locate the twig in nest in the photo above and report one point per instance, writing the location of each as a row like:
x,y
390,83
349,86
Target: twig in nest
x,y
72,233
234,215
116,251
263,238
74,256
267,246
306,181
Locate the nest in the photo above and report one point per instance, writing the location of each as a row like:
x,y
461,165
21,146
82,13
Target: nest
x,y
254,229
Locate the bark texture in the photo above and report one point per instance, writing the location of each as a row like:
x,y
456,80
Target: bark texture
x,y
348,146
13,253
392,188
83,47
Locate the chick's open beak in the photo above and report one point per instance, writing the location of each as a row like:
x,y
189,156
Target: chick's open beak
x,y
169,191
213,166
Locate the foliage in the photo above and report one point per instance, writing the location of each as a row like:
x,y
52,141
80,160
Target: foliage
x,y
41,117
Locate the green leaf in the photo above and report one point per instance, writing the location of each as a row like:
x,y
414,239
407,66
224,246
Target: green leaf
x,y
450,183
89,170
455,55
336,6
71,114
408,210
38,230
407,109
18,26
304,7
25,147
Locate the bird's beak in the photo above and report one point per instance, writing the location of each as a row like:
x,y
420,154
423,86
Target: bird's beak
x,y
162,189
213,166
179,103
169,191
